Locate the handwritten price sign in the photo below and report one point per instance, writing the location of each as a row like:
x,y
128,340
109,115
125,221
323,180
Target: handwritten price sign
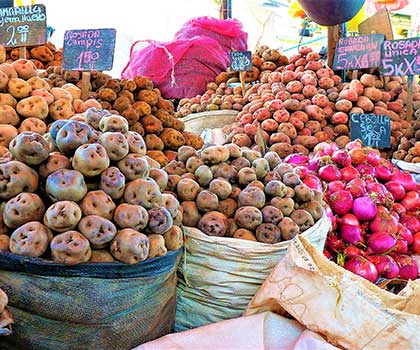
x,y
23,26
241,61
400,57
373,130
358,52
89,49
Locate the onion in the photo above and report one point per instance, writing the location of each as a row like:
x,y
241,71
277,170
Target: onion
x,y
327,254
386,265
302,171
356,188
405,179
366,169
341,202
350,219
364,208
408,266
374,157
416,243
341,158
401,247
354,144
411,201
405,233
334,186
348,173
381,242
297,159
377,188
352,251
411,222
399,209
334,243
329,173
362,267
325,149
383,172
396,189
312,181
313,164
351,234
384,221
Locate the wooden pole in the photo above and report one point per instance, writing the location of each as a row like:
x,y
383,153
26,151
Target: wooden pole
x,y
22,52
85,86
410,84
333,34
355,74
242,80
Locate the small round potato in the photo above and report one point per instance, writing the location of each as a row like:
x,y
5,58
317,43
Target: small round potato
x,y
98,230
94,116
25,68
98,203
160,220
170,203
134,166
61,109
33,107
72,135
4,80
16,177
5,155
115,144
8,115
38,83
65,184
187,189
33,125
60,93
130,246
9,70
19,88
207,201
31,239
30,148
112,182
174,238
55,161
101,256
157,246
7,134
144,192
62,216
49,98
70,248
221,188
131,216
23,208
248,217
90,159
55,126
191,215
160,176
113,122
136,143
73,89
213,223
7,99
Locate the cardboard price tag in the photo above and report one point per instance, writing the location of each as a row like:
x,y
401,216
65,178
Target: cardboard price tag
x,y
358,52
241,61
89,49
374,130
23,26
400,57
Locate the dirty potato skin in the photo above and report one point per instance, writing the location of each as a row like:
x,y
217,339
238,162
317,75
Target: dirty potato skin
x,y
130,246
70,248
174,238
31,239
160,220
213,223
157,246
23,208
98,203
131,216
30,148
62,216
248,217
16,177
98,230
64,184
112,182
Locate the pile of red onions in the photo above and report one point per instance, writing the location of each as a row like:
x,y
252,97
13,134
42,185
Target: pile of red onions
x,y
374,208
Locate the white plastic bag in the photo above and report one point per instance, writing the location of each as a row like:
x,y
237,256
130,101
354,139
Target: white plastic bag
x,y
219,276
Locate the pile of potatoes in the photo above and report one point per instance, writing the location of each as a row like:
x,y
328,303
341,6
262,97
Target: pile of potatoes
x,y
409,145
228,191
219,95
86,191
305,103
43,56
146,111
6,318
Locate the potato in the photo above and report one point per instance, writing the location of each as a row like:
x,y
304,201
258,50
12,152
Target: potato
x,y
34,125
173,238
30,148
113,123
33,106
55,161
64,184
207,201
9,70
289,229
149,96
60,93
8,115
144,192
101,256
94,116
131,216
5,241
7,99
5,155
73,90
112,182
98,203
213,224
248,217
61,108
134,166
37,83
23,208
268,233
25,68
90,159
31,239
19,88
98,230
160,220
157,246
243,233
214,154
70,248
136,143
191,215
187,189
62,216
71,135
160,176
130,246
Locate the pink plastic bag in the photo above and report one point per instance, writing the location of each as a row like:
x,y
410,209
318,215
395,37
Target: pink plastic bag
x,y
227,32
180,68
373,6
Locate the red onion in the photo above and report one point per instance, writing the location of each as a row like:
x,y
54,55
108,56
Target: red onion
x,y
327,254
356,188
362,267
383,172
381,242
386,266
350,219
401,247
411,201
334,243
396,189
341,202
377,188
383,222
405,233
405,179
341,158
313,164
348,173
334,186
297,159
364,208
373,158
416,243
366,169
325,149
302,171
411,222
313,181
399,209
408,266
351,234
329,173
352,251
354,144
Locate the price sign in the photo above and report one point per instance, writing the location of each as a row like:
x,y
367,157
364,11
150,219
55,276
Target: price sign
x,y
400,57
241,61
89,49
358,52
23,26
374,130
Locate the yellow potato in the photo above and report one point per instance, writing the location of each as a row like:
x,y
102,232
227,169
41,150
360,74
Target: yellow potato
x,y
25,68
7,99
33,107
49,98
4,79
33,125
60,93
38,83
9,70
2,54
73,89
79,106
61,109
19,88
8,115
7,134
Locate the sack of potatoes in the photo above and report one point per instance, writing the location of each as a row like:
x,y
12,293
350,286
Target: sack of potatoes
x,y
235,192
86,191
